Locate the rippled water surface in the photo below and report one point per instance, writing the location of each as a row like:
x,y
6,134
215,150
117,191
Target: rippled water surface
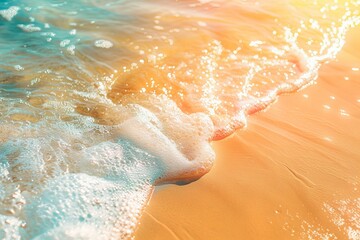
x,y
102,100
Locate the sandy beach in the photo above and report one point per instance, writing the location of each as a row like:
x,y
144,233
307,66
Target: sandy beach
x,y
293,173
101,102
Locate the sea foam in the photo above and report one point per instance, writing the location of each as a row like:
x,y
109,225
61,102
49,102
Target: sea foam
x,y
85,137
9,13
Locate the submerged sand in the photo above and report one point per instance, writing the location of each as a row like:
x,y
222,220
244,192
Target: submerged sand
x,y
293,173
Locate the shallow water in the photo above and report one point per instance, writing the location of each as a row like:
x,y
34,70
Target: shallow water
x,y
102,100
293,173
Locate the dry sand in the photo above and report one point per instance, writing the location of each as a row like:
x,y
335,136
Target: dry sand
x,y
293,173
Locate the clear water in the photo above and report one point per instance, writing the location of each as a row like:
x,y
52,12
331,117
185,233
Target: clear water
x,y
102,100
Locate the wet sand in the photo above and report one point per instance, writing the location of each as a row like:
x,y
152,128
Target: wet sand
x,y
293,173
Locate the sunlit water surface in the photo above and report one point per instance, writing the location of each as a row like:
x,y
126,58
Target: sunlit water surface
x,y
102,100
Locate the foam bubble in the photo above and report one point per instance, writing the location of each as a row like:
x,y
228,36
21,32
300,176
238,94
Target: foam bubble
x,y
71,205
85,138
9,228
18,68
61,185
103,44
71,49
9,13
78,175
180,140
64,43
29,28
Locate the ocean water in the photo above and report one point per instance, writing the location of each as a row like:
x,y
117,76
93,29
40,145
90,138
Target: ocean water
x,y
102,100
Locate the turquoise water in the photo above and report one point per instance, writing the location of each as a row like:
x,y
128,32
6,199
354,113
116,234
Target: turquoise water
x,y
62,174
102,100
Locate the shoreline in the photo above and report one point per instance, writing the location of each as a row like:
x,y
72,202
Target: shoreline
x,y
284,176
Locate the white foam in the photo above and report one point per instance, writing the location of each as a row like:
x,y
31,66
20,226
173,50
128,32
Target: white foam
x,y
9,13
71,49
68,176
71,205
29,28
81,180
9,228
103,44
69,185
180,140
18,68
64,43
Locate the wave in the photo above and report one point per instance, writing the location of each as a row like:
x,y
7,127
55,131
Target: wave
x,y
101,102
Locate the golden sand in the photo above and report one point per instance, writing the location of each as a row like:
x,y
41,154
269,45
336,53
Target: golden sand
x,y
293,173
